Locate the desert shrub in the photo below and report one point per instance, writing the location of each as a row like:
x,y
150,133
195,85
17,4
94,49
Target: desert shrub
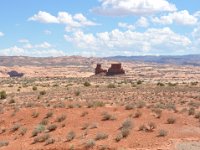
x,y
101,136
22,131
194,104
106,116
41,138
119,137
141,104
191,111
85,126
87,84
93,126
11,101
111,85
90,143
42,92
172,84
4,143
139,82
44,122
35,114
162,133
158,112
95,104
127,124
34,88
70,136
142,127
83,114
170,106
40,128
77,93
171,120
15,127
49,114
61,118
52,127
197,115
160,84
150,127
137,114
49,141
125,132
129,106
3,95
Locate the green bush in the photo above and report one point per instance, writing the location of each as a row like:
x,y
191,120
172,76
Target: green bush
x,y
3,95
87,84
34,88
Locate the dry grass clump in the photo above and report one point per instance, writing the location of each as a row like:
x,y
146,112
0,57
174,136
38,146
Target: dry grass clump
x,y
101,136
15,127
106,116
61,118
125,129
158,112
39,129
4,143
90,143
129,106
52,127
41,138
70,136
22,131
191,111
35,114
49,114
162,133
149,127
171,120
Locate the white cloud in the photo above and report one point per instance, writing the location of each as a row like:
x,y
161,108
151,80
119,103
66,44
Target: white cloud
x,y
44,17
133,7
27,49
47,32
126,26
23,41
1,34
43,45
181,17
151,41
71,21
142,22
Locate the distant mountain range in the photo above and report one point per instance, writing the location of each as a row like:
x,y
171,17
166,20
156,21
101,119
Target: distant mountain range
x,y
193,60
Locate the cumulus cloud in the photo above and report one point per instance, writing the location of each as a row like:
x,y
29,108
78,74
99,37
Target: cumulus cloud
x,y
152,40
71,21
1,34
126,26
27,49
133,7
142,22
180,17
44,17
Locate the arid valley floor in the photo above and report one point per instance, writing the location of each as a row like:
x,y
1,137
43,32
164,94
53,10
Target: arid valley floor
x,y
66,107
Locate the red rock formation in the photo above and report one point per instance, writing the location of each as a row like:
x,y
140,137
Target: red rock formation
x,y
115,69
99,70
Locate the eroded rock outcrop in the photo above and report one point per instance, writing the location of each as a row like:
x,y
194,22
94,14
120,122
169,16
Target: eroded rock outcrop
x,y
99,70
115,69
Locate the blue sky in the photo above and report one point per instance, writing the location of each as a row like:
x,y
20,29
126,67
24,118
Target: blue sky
x,y
99,28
